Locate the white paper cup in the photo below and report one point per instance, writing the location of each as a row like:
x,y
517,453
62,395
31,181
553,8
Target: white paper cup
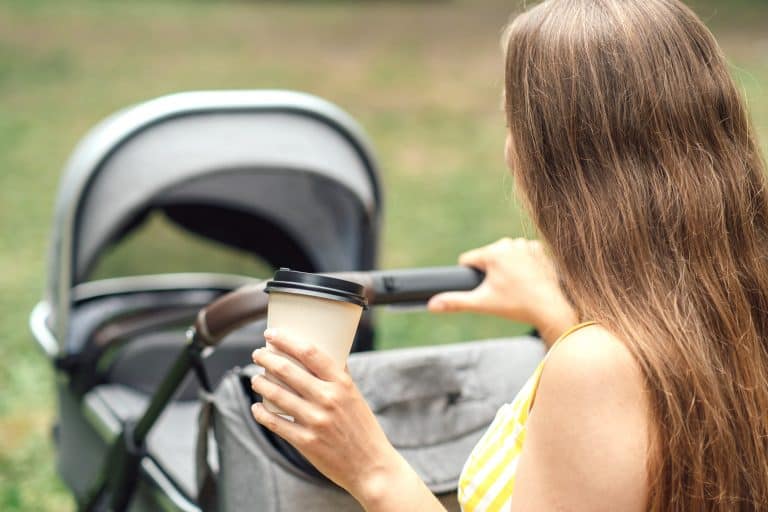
x,y
318,309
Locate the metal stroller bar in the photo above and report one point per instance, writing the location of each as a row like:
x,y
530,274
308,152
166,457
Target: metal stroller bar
x,y
117,483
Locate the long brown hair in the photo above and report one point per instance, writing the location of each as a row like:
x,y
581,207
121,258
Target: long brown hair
x,y
635,153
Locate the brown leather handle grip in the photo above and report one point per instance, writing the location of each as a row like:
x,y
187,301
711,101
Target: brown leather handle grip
x,y
230,312
244,305
249,303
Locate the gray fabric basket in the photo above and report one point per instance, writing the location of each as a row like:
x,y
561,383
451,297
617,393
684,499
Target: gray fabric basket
x,y
434,403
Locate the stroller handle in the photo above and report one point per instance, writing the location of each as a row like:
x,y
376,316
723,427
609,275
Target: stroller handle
x,y
382,287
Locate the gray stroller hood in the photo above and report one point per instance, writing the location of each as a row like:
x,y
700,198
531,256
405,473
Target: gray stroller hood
x,y
296,162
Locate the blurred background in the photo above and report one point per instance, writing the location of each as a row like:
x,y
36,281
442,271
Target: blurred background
x,y
423,78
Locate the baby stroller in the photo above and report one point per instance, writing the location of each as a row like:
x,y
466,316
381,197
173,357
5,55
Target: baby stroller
x,y
150,416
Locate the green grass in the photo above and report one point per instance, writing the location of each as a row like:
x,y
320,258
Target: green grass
x,y
422,78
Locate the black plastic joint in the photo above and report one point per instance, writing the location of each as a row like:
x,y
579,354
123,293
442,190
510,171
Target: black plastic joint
x,y
131,447
68,363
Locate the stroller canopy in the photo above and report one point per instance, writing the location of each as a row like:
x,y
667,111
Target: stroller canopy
x,y
250,169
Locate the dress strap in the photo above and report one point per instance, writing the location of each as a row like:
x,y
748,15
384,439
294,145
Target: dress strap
x,y
572,330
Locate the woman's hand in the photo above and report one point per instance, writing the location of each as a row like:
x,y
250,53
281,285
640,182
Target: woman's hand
x,y
520,284
334,428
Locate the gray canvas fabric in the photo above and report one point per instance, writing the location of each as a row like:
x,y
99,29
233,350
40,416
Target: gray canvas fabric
x,y
434,403
330,236
91,315
184,148
142,364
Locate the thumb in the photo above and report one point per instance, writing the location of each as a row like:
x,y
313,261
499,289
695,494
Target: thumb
x,y
453,302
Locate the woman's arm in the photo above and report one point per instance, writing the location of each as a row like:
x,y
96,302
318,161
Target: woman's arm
x,y
335,429
586,445
401,490
520,284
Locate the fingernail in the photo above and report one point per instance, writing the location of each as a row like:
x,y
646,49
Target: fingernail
x,y
270,333
255,409
255,353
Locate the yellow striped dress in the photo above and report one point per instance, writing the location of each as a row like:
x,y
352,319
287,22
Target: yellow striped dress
x,y
488,476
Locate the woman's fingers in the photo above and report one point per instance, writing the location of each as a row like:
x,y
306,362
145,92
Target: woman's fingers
x,y
482,256
283,398
288,372
309,355
292,432
454,302
449,302
477,258
304,412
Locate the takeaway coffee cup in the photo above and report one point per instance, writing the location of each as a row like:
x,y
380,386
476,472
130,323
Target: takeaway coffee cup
x,y
319,309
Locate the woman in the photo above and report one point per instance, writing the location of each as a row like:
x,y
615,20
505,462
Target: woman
x,y
634,154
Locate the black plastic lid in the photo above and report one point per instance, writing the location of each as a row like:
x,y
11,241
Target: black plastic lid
x,y
316,285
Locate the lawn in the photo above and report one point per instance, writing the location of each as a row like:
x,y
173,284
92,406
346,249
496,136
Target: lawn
x,y
423,78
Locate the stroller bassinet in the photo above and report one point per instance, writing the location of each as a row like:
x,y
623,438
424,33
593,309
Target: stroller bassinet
x,y
283,176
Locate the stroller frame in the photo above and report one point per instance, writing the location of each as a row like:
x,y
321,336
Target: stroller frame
x,y
344,157
106,453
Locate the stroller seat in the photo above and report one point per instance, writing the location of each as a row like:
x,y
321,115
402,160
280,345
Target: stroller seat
x,y
171,444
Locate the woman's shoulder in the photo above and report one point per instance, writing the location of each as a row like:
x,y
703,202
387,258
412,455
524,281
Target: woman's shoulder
x,y
591,354
598,375
588,429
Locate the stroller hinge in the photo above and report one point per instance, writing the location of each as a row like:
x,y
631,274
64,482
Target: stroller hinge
x,y
68,363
